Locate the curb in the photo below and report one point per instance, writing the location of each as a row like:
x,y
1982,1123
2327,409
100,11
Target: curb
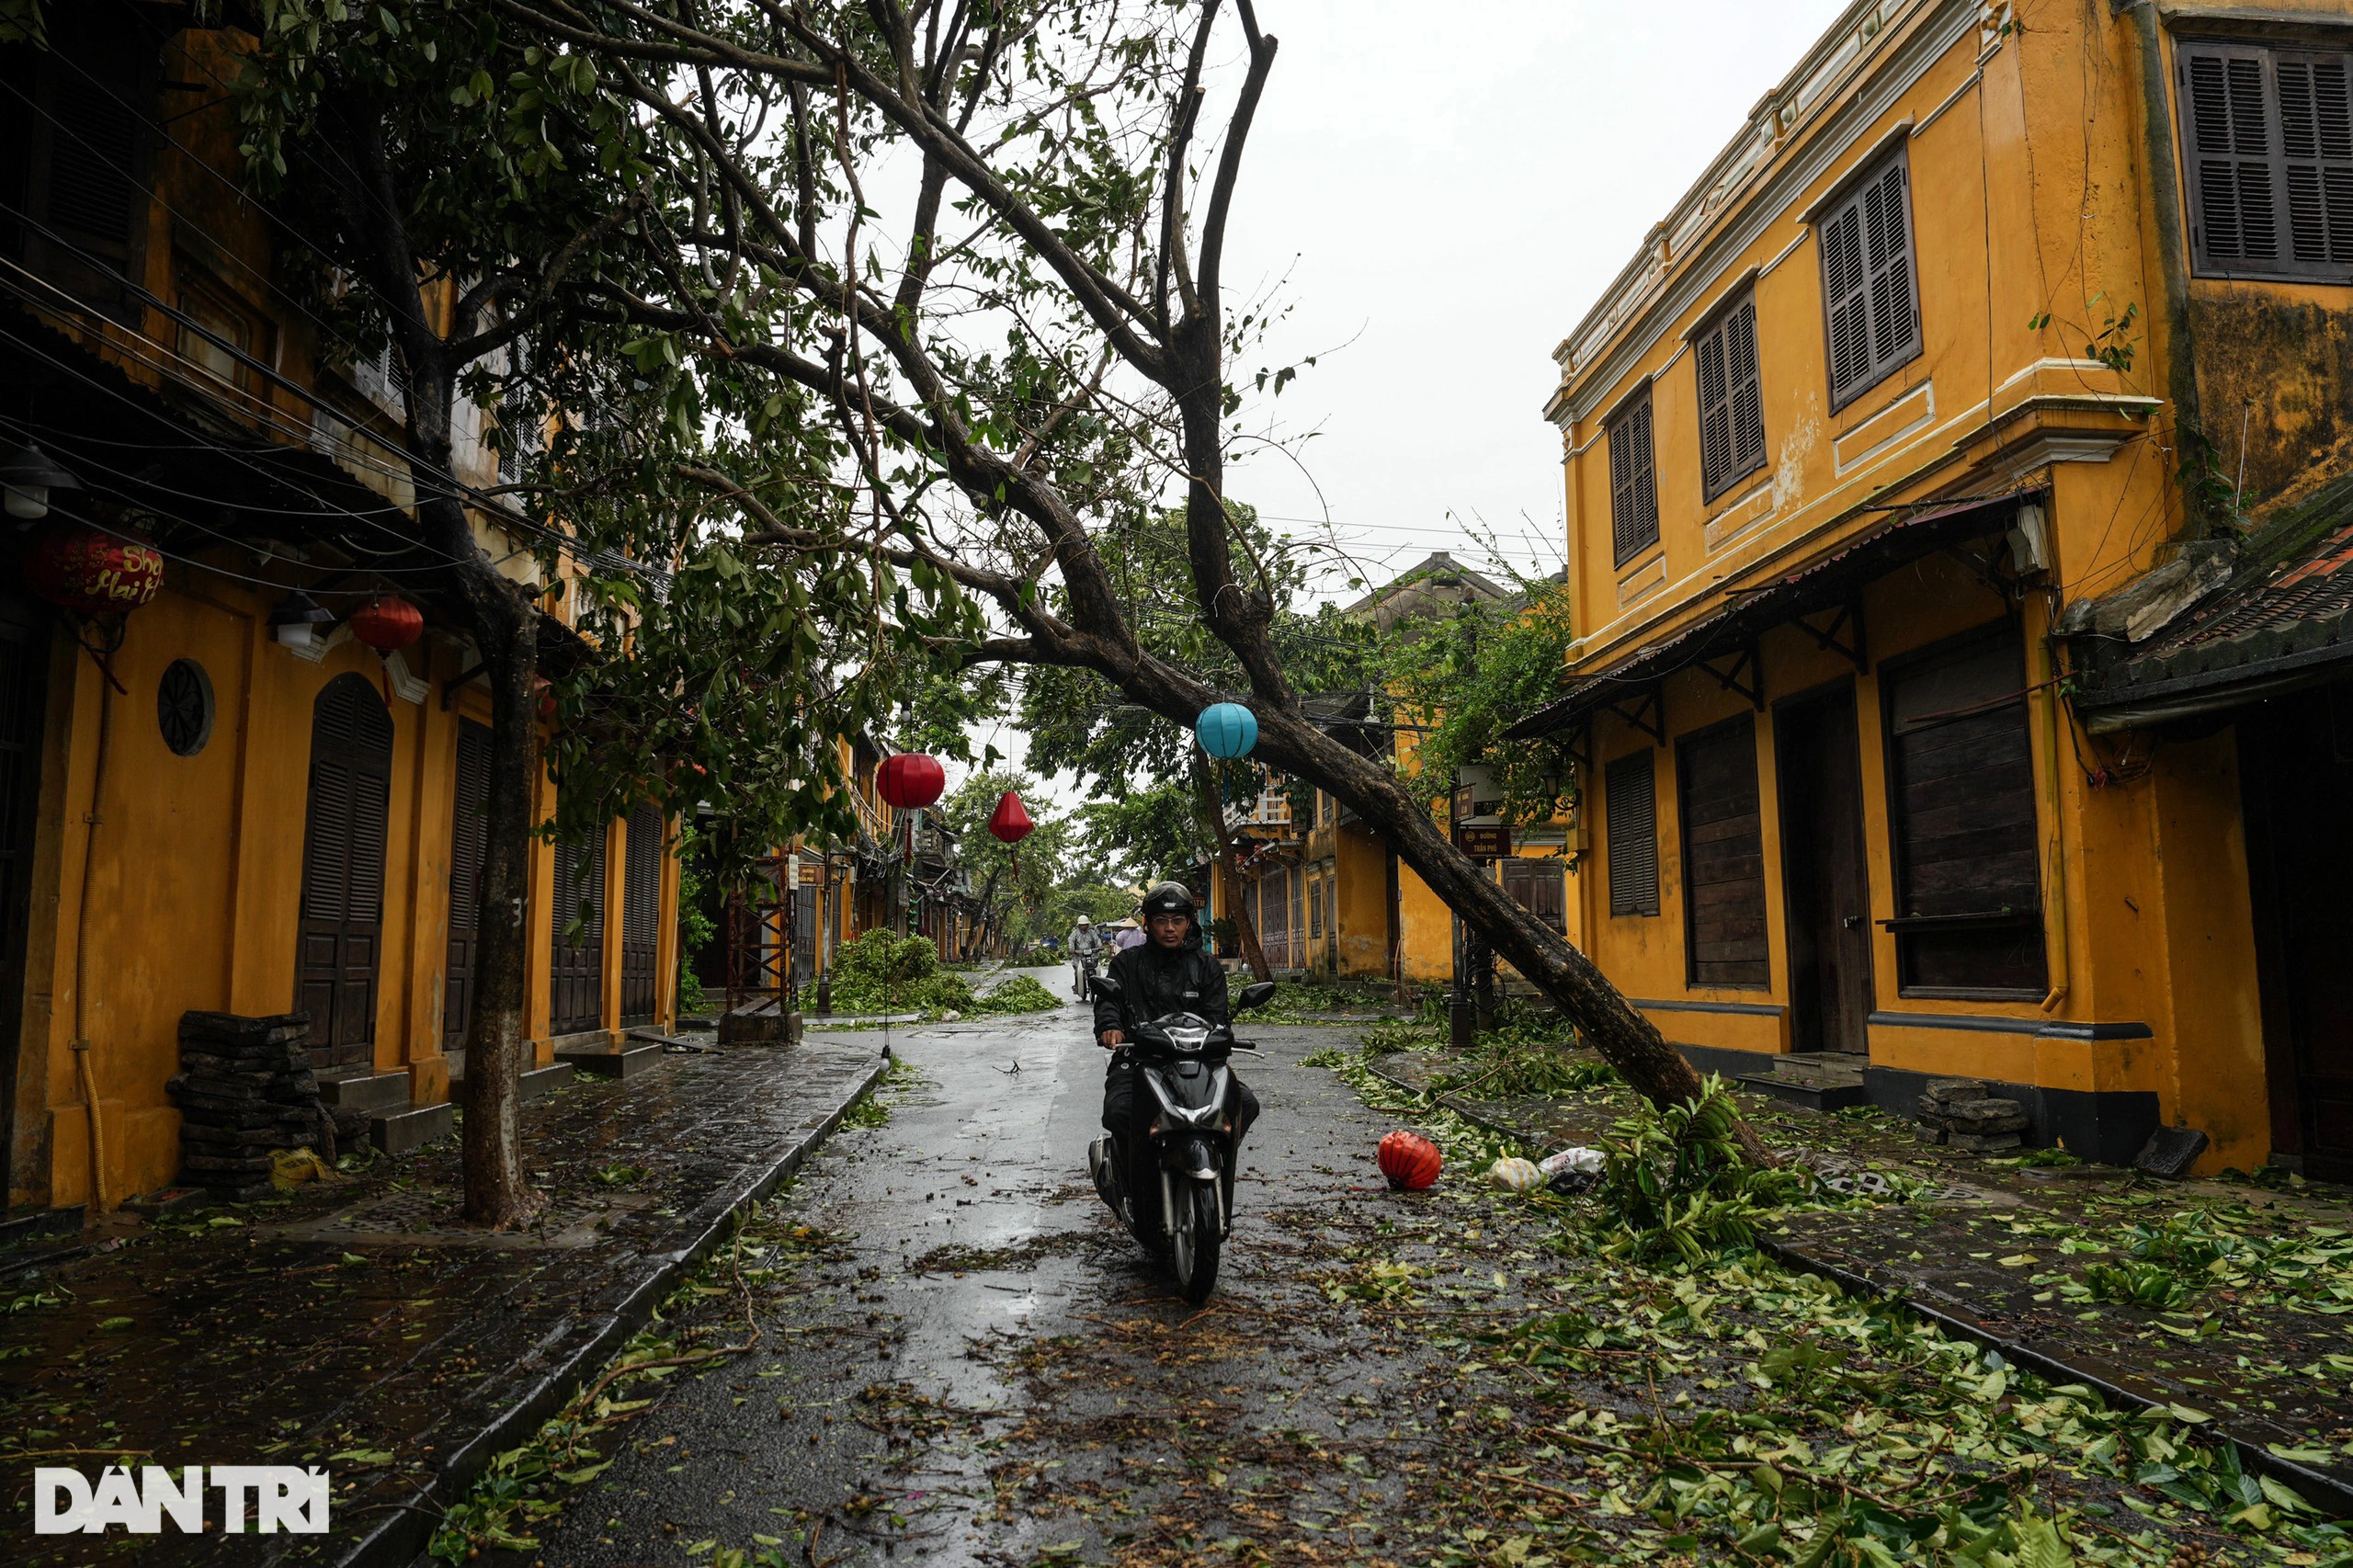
x,y
2324,1490
574,1349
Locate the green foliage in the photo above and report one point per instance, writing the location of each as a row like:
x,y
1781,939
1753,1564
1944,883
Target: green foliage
x,y
1021,993
1475,674
1016,885
882,972
1676,1186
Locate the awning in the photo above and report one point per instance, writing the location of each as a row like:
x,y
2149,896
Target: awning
x,y
2283,621
1826,583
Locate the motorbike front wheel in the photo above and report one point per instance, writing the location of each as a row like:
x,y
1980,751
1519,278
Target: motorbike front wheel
x,y
1193,1250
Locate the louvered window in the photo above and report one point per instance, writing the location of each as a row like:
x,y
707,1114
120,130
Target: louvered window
x,y
2269,134
1630,800
1868,286
1633,482
1732,409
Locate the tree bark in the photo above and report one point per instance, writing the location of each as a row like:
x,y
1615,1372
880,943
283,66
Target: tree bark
x,y
1228,862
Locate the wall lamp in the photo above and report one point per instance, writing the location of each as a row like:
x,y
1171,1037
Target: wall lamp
x,y
28,474
297,618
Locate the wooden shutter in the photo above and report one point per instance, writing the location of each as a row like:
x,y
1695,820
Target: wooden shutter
x,y
469,843
576,992
1724,856
1868,281
1731,419
2269,134
1630,807
641,916
1634,486
1537,887
339,928
1960,780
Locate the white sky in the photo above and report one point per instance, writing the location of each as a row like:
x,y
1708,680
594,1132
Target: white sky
x,y
1449,189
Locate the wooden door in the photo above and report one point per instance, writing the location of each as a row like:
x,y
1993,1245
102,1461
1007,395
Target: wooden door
x,y
2297,775
24,663
641,915
1826,887
576,918
1724,858
340,932
468,842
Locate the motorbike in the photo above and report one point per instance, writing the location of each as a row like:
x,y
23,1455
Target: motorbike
x,y
1083,977
1186,1216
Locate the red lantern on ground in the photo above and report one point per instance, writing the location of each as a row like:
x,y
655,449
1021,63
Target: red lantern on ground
x,y
387,623
910,780
81,567
1410,1161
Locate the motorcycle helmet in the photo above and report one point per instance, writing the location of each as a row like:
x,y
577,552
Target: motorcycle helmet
x,y
1166,898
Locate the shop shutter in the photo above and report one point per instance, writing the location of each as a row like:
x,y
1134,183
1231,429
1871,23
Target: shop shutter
x,y
1630,805
1724,856
1962,809
1633,483
2269,134
1732,420
469,843
1868,281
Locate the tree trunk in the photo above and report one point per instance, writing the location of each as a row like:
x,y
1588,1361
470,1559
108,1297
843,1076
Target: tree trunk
x,y
498,1044
1228,863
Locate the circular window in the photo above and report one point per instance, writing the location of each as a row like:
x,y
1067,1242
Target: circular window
x,y
184,707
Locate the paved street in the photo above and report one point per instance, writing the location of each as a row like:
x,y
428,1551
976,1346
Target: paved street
x,y
896,1409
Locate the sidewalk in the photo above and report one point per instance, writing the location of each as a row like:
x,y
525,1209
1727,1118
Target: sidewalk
x,y
356,1327
2000,1251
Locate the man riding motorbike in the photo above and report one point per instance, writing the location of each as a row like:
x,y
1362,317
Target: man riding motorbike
x,y
1169,974
1083,944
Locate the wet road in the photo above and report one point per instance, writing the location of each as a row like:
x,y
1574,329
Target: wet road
x,y
971,1362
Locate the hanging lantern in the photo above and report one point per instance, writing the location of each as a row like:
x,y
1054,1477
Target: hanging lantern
x,y
910,780
81,567
1226,730
1409,1160
387,623
1010,823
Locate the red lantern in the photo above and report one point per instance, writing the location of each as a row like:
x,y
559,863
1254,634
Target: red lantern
x,y
1010,822
388,623
83,568
1409,1160
910,780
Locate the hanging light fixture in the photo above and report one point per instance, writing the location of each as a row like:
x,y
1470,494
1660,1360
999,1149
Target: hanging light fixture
x,y
28,475
297,618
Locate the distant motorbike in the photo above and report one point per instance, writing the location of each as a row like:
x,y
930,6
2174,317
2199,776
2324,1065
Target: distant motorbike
x,y
1082,973
1188,1214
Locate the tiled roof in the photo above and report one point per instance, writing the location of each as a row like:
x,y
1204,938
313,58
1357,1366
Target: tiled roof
x,y
2274,618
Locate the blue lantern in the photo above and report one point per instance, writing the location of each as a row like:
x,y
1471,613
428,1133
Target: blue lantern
x,y
1227,730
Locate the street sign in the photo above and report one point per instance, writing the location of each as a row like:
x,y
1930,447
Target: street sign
x,y
1484,841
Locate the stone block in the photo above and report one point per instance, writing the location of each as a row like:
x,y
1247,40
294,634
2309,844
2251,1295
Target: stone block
x,y
1984,1143
1985,1116
1951,1091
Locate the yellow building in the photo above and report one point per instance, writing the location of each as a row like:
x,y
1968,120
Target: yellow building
x,y
1909,467
220,800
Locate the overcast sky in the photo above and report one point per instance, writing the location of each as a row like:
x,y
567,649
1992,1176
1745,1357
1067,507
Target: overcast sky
x,y
1449,189
1442,193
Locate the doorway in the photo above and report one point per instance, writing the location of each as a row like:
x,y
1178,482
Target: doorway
x,y
641,915
2296,775
340,933
469,843
577,916
1825,885
24,678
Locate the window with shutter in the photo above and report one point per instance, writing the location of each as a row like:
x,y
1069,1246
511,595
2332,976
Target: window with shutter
x,y
1629,804
1731,416
2270,137
1633,483
1537,887
1724,856
1962,814
1870,299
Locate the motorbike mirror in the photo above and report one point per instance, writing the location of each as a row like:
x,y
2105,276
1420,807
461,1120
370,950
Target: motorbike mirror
x,y
1106,984
1256,995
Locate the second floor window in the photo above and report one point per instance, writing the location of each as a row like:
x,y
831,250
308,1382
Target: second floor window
x,y
1732,409
2269,134
1868,281
1633,483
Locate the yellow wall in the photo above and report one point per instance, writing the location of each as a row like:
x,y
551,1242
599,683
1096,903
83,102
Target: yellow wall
x,y
2032,223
